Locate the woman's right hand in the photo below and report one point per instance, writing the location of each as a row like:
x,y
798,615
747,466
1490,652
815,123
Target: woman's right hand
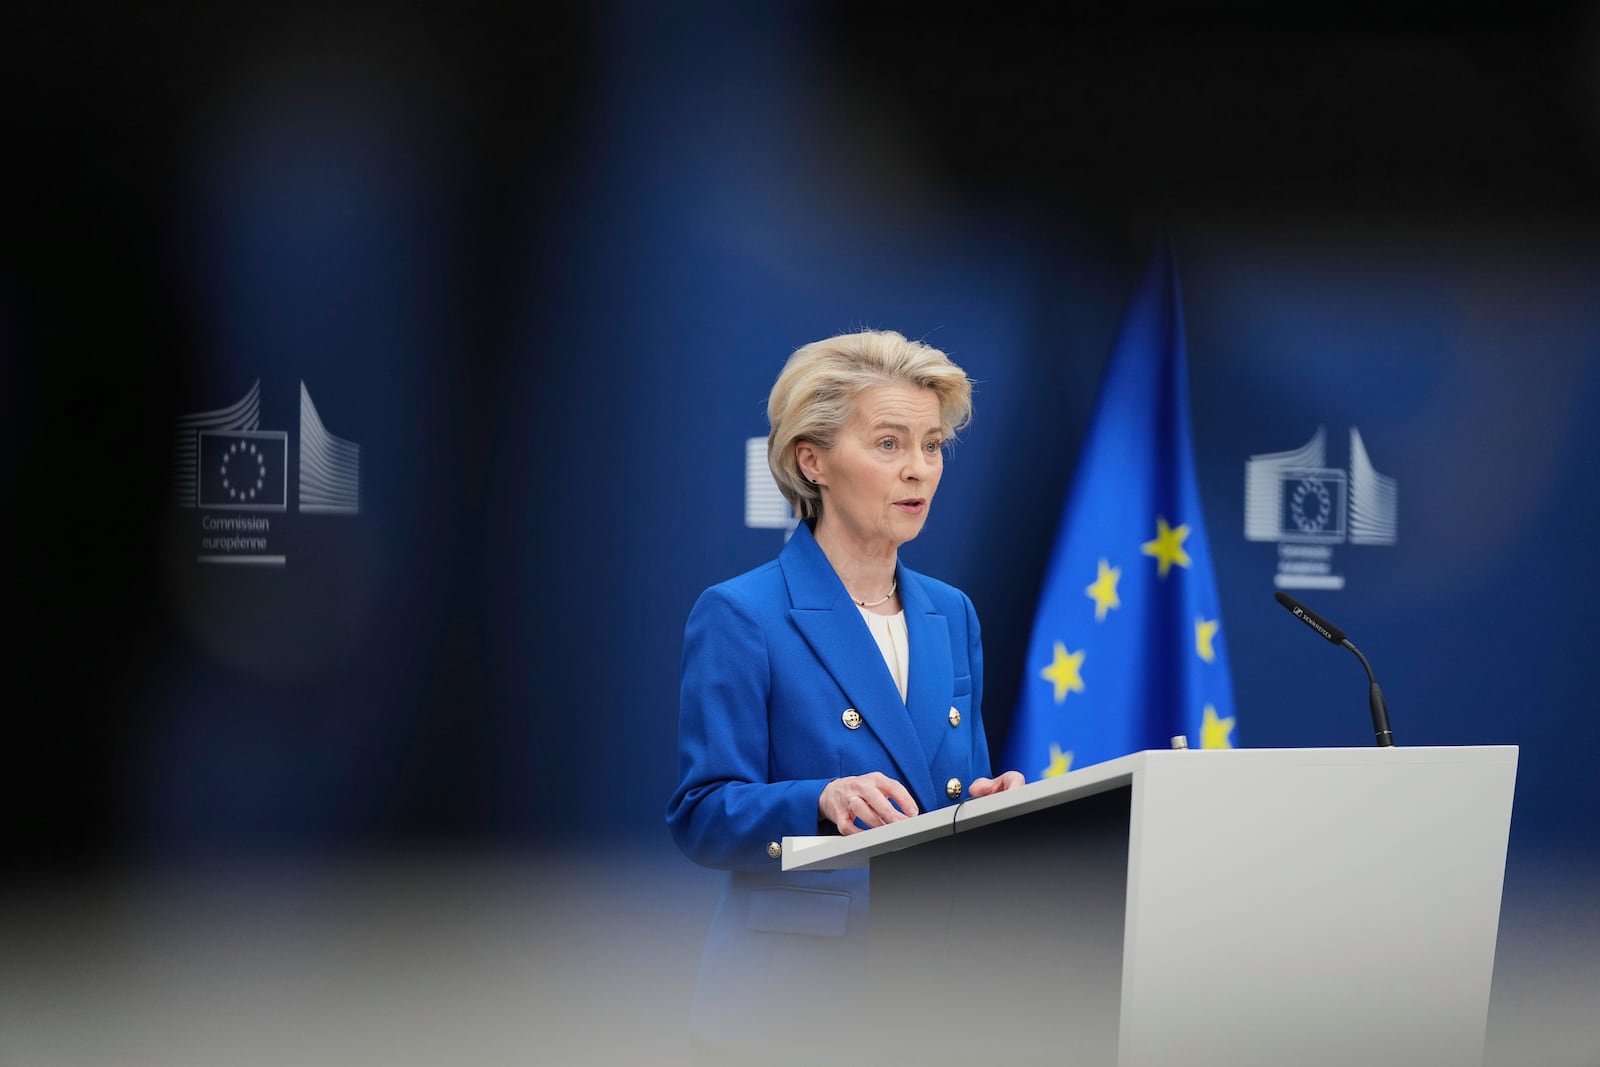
x,y
875,799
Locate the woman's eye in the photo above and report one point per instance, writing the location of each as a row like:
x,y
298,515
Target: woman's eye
x,y
887,444
931,447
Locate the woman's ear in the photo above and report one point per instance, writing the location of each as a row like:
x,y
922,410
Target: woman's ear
x,y
809,458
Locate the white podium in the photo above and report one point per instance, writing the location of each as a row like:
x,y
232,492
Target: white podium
x,y
1237,907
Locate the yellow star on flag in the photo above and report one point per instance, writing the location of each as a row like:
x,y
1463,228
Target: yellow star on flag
x,y
1104,590
1063,672
1205,630
1167,547
1214,731
1060,762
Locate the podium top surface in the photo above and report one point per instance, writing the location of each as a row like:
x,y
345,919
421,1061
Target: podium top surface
x,y
857,850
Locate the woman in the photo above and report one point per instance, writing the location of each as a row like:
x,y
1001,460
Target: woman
x,y
832,690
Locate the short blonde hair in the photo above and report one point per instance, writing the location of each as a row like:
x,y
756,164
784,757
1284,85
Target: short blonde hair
x,y
815,395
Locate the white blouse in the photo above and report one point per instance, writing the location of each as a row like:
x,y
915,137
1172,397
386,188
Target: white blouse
x,y
890,633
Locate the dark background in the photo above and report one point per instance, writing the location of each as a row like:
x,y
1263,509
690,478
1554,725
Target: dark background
x,y
543,265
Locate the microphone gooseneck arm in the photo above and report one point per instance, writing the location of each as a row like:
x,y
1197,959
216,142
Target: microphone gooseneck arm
x,y
1332,634
1380,711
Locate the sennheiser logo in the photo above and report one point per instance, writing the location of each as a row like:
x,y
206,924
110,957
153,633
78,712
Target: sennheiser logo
x,y
1295,499
1300,613
224,462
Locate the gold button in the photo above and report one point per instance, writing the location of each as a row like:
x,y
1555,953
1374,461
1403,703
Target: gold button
x,y
955,717
774,850
852,718
952,789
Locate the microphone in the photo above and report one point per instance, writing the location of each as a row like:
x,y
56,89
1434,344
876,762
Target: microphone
x,y
1380,712
1310,618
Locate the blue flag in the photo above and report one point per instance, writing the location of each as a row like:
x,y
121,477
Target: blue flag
x,y
1127,648
244,469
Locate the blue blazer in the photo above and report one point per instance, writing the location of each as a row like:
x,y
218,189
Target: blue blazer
x,y
772,661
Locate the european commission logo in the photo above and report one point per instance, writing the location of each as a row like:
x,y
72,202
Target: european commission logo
x,y
225,462
1297,500
764,505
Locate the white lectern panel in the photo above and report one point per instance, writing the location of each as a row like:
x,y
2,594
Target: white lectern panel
x,y
1324,906
1282,906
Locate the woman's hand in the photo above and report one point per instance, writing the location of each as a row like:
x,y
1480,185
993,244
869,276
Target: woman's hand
x,y
982,787
875,799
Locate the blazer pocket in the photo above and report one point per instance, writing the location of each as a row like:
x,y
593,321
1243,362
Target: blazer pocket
x,y
786,910
961,685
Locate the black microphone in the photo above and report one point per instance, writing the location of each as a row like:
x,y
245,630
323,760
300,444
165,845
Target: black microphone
x,y
1310,618
1380,712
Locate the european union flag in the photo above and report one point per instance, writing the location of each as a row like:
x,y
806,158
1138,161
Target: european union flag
x,y
1127,648
244,470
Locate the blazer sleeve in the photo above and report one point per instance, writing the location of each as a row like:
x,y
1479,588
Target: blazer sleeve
x,y
725,811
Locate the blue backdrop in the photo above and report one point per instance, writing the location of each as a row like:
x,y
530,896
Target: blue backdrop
x,y
544,269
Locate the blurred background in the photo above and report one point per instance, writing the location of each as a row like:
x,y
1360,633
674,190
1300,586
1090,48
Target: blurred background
x,y
400,796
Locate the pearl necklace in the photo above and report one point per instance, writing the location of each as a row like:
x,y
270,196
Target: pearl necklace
x,y
893,585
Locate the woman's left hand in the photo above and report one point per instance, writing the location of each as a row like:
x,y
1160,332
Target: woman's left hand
x,y
982,787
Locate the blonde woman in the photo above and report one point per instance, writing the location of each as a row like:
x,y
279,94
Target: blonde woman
x,y
833,689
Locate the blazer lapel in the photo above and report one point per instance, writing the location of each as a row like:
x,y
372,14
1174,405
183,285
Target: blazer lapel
x,y
833,627
932,672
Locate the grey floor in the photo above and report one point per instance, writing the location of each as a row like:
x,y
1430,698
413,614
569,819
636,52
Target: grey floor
x,y
468,962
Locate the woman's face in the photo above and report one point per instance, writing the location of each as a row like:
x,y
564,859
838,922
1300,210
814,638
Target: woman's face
x,y
879,478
